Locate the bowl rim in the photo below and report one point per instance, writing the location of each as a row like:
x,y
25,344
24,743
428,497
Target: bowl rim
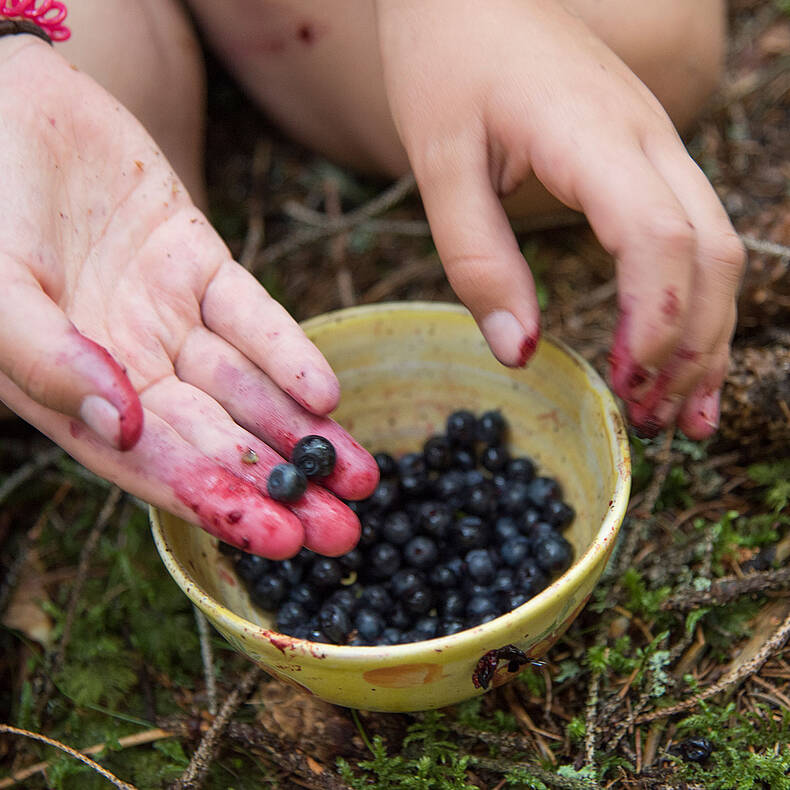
x,y
572,578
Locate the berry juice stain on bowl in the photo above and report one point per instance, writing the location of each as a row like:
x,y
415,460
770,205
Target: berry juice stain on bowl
x,y
403,368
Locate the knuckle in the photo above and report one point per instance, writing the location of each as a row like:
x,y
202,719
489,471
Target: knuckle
x,y
672,233
727,256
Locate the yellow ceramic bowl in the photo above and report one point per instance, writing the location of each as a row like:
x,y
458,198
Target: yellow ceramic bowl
x,y
403,368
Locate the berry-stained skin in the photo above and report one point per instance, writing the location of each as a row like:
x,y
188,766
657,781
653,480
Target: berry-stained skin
x,y
126,326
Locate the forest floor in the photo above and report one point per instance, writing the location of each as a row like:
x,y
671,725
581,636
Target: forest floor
x,y
676,675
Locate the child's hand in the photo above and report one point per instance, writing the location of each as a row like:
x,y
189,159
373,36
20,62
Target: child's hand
x,y
101,250
483,94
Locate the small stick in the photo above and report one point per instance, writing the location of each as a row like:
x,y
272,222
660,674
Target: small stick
x,y
17,777
193,776
24,473
208,660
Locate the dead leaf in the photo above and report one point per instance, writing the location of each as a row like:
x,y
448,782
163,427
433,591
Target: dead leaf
x,y
24,612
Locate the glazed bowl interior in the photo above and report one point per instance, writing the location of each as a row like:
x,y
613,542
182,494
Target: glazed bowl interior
x,y
403,367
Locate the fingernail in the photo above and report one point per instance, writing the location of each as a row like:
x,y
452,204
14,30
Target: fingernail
x,y
510,342
709,409
102,418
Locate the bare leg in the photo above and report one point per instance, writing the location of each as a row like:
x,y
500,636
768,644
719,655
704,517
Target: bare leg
x,y
316,70
147,56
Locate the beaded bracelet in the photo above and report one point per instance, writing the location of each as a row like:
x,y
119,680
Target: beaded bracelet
x,y
42,18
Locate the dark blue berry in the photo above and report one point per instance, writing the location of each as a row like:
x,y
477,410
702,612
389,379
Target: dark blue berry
x,y
290,570
345,599
286,483
442,577
480,605
250,567
390,636
504,581
369,623
421,552
334,621
511,601
418,599
352,560
386,464
325,572
520,468
450,488
481,500
412,464
400,617
306,595
480,566
383,560
290,614
434,519
268,591
532,516
398,528
451,604
505,527
405,580
315,634
426,628
438,453
553,554
314,456
530,578
461,427
494,457
514,500
515,550
415,485
451,626
543,489
558,513
470,532
464,458
385,496
376,597
491,427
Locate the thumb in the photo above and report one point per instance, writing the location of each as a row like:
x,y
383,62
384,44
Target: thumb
x,y
45,355
480,254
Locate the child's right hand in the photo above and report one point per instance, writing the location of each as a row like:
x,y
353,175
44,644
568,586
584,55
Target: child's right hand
x,y
131,338
485,94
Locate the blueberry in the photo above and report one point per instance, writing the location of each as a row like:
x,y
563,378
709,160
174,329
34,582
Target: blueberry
x,y
371,527
515,550
315,634
306,595
314,456
438,453
390,636
442,577
418,600
290,570
450,488
286,483
542,489
505,527
434,519
383,560
415,485
500,482
542,530
480,605
385,496
558,513
250,567
425,628
480,566
398,528
494,457
515,499
531,517
290,614
470,532
345,599
400,617
386,464
334,622
452,604
405,580
325,572
376,597
511,601
464,458
553,554
474,477
268,591
530,578
369,623
421,552
481,500
504,581
451,626
352,560
411,464
461,427
491,427
520,468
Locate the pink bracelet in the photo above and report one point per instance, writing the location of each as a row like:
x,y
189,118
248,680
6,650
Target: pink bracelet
x,y
49,15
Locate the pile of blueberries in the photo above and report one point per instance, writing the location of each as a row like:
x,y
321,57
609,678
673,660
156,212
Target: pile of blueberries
x,y
452,537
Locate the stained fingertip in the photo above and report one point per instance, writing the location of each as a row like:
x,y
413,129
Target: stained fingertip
x,y
355,475
700,416
330,527
316,390
510,341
